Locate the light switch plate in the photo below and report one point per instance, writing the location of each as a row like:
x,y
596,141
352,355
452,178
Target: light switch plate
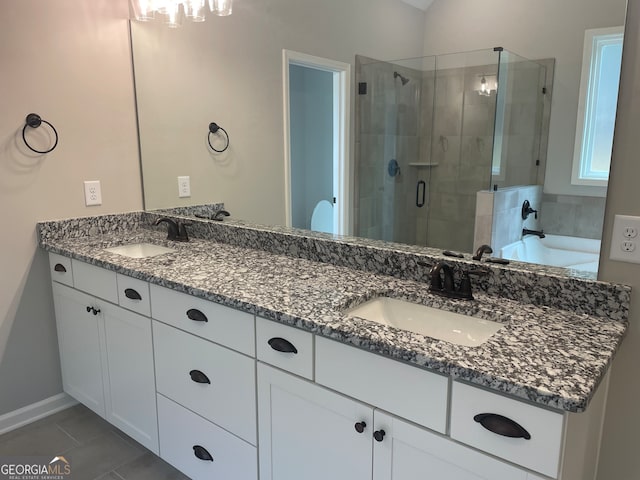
x,y
92,193
625,241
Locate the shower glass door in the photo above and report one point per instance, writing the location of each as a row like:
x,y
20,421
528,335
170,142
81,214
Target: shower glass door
x,y
394,107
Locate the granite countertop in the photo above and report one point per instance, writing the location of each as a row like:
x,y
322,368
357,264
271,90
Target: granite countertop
x,y
549,356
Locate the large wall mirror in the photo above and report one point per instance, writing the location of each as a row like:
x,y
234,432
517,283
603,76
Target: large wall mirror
x,y
229,70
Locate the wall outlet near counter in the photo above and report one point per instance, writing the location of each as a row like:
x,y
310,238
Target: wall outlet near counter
x,y
625,243
184,187
92,193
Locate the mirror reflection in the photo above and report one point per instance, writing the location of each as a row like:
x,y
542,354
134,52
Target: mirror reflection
x,y
440,150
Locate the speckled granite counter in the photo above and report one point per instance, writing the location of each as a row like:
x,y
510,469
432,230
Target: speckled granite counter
x,y
551,356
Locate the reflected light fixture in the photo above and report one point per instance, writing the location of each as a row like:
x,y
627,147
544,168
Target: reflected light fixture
x,y
173,12
485,89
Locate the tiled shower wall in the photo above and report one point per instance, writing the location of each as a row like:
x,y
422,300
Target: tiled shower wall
x,y
462,149
573,215
499,215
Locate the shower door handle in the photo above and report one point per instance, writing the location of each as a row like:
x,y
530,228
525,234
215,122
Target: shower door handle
x,y
421,189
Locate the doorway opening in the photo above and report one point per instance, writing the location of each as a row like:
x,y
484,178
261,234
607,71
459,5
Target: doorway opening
x,y
316,130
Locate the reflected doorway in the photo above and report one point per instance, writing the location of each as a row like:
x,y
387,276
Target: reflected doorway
x,y
316,114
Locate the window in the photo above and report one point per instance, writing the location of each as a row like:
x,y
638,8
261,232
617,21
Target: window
x,y
601,61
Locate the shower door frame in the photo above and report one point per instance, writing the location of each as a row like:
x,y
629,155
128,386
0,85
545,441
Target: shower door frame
x,y
341,133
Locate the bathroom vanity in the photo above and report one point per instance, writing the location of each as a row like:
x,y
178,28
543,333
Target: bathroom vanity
x,y
233,362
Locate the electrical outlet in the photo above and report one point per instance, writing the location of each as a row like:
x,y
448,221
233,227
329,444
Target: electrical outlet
x,y
624,239
92,193
184,187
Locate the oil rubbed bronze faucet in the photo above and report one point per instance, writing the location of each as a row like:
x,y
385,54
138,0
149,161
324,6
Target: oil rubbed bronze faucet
x,y
482,249
526,231
447,288
176,231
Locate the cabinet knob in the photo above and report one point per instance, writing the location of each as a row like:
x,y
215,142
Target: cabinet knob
x,y
196,315
282,345
93,310
502,425
60,268
199,377
202,453
132,294
89,309
378,435
360,426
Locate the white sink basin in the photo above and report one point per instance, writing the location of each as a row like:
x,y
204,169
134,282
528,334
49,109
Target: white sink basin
x,y
139,250
429,321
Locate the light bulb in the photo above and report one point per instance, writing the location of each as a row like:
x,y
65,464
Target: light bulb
x,y
175,14
195,10
221,8
143,10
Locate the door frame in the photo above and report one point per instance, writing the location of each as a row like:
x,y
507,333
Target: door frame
x,y
341,133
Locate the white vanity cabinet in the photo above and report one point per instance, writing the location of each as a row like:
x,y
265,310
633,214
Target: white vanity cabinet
x,y
206,382
308,432
106,353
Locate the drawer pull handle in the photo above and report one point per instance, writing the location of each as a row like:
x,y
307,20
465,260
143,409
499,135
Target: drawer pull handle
x,y
378,435
501,425
131,294
199,377
60,268
202,453
197,315
282,345
93,310
360,426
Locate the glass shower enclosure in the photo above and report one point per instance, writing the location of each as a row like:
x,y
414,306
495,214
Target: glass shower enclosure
x,y
433,131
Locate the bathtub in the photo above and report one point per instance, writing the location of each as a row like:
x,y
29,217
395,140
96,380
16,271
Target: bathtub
x,y
555,250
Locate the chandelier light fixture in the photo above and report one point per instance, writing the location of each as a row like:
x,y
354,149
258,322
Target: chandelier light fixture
x,y
173,12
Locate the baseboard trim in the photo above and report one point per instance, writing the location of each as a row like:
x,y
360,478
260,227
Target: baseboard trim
x,y
35,411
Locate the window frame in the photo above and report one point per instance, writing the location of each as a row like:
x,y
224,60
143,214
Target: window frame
x,y
594,40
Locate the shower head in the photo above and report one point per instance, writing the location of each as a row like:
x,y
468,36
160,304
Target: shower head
x,y
403,79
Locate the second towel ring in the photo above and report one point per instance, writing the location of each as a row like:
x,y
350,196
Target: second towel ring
x,y
214,128
33,120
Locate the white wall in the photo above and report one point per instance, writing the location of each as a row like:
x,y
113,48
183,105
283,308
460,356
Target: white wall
x,y
535,30
68,61
229,70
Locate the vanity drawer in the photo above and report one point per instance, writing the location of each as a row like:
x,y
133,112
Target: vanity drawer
x,y
61,270
211,380
95,280
182,430
226,326
401,389
275,343
133,294
540,453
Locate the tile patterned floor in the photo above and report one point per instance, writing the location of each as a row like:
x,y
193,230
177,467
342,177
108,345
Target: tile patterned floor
x,y
94,448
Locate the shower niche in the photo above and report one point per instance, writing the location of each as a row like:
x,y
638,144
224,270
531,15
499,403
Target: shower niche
x,y
451,125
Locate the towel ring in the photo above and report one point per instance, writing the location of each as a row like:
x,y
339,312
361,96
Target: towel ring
x,y
33,120
215,128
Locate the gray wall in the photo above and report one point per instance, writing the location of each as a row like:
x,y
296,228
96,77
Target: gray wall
x,y
75,71
619,458
311,96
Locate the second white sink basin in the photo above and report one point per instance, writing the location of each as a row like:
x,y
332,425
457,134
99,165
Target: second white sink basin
x,y
429,321
140,250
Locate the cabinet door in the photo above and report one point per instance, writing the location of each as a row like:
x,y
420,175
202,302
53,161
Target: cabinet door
x,y
79,344
408,452
307,432
131,393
